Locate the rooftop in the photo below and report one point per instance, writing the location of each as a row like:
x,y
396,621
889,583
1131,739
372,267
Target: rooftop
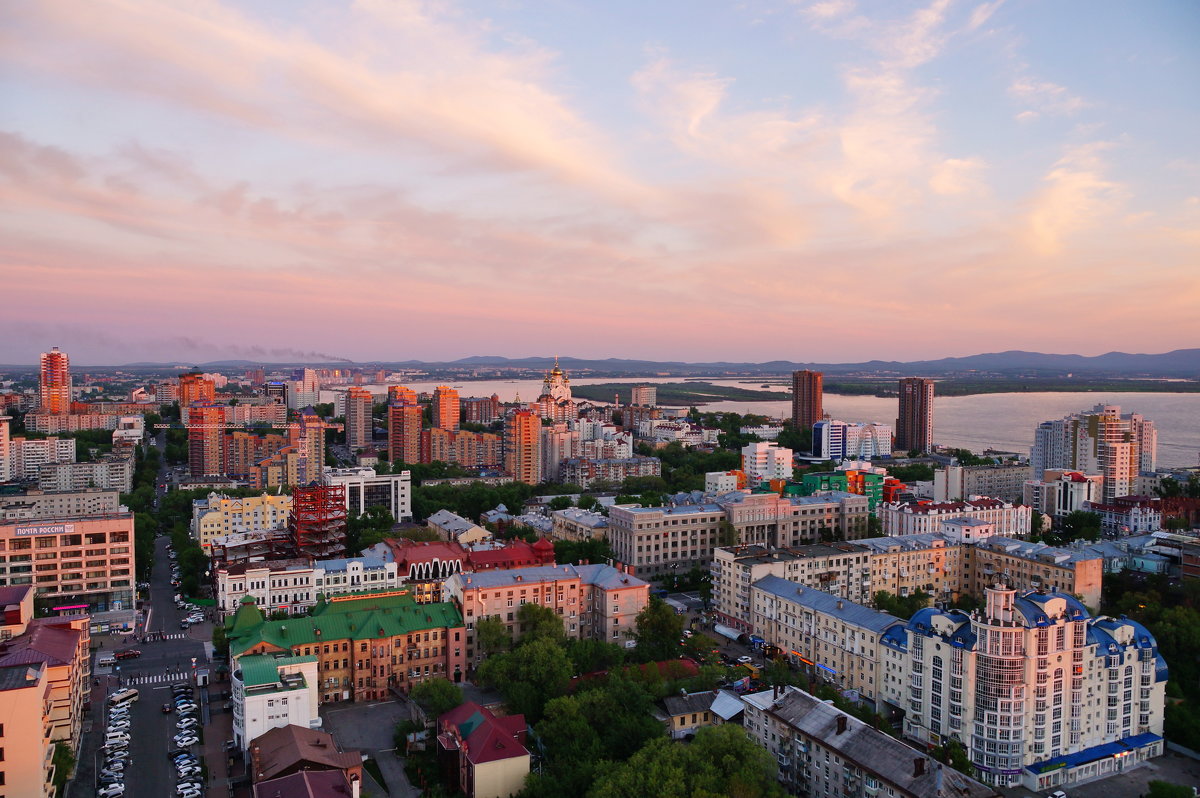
x,y
305,784
285,747
263,669
692,702
867,748
826,603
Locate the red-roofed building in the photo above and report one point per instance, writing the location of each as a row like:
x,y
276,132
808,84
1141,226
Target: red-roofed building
x,y
309,784
483,754
425,565
917,518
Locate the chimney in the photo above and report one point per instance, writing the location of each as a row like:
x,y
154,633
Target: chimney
x,y
918,767
841,723
841,604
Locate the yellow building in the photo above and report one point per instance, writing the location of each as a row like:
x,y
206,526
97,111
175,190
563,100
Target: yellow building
x,y
220,515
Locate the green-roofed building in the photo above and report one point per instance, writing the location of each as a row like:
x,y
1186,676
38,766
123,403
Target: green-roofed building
x,y
366,644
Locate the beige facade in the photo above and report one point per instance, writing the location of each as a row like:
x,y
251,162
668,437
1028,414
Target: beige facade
x,y
597,602
36,503
653,539
913,518
1002,481
833,639
220,515
575,524
841,569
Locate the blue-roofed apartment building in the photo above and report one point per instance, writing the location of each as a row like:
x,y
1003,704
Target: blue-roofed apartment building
x,y
1040,693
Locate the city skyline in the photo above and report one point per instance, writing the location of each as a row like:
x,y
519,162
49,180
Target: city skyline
x,y
298,181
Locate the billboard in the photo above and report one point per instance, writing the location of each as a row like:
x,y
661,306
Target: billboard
x,y
43,529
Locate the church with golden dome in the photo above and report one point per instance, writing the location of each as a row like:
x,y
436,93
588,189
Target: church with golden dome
x,y
556,403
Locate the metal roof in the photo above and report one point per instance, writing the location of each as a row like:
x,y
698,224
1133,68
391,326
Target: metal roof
x,y
826,603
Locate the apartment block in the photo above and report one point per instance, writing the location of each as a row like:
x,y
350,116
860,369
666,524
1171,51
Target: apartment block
x,y
35,503
272,692
360,426
1101,441
808,390
365,644
831,638
841,569
1058,493
822,750
446,411
584,471
596,602
218,515
764,461
1041,694
27,769
1002,481
522,446
576,524
26,456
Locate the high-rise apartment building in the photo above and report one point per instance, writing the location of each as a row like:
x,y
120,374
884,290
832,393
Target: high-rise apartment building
x,y
479,410
404,425
914,426
839,440
5,459
194,388
359,426
766,460
808,390
1039,693
1101,441
445,408
54,383
205,436
522,446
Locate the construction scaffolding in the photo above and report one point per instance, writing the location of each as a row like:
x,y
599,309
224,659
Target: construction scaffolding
x,y
318,521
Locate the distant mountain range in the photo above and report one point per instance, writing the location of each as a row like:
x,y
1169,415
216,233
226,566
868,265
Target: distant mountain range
x,y
1183,363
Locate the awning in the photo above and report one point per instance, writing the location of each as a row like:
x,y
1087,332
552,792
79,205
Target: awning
x,y
726,631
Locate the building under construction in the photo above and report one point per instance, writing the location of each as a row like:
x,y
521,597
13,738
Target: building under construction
x,y
318,521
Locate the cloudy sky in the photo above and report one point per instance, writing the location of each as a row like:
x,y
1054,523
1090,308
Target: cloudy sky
x,y
386,179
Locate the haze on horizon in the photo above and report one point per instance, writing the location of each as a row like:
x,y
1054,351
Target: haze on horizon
x,y
807,181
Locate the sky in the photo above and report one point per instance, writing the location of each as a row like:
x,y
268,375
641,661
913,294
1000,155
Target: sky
x,y
827,181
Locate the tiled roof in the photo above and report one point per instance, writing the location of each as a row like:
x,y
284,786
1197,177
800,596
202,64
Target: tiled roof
x,y
305,784
826,603
488,738
284,747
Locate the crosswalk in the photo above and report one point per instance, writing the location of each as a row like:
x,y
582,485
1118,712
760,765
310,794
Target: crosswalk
x,y
156,678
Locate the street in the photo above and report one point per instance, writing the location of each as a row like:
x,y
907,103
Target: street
x,y
162,662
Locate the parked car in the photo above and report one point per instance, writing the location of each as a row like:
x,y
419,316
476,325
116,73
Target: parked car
x,y
129,653
111,791
744,660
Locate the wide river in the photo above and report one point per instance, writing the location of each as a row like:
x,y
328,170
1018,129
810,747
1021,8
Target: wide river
x,y
1004,421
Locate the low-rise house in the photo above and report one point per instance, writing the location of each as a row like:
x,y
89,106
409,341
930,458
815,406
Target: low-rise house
x,y
576,524
687,714
457,529
484,754
289,750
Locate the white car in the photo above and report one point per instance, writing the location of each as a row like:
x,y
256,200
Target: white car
x,y
744,660
184,742
111,791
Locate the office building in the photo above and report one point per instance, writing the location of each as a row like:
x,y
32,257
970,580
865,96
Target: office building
x,y
446,411
522,446
763,461
839,440
1101,441
597,602
644,395
808,390
823,751
360,428
81,560
365,488
914,425
54,383
396,642
1040,694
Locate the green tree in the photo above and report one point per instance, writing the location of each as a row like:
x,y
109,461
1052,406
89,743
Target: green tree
x,y
528,676
220,641
589,655
64,765
588,502
1080,525
727,534
561,503
539,623
722,760
492,635
901,606
437,696
1165,789
658,630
